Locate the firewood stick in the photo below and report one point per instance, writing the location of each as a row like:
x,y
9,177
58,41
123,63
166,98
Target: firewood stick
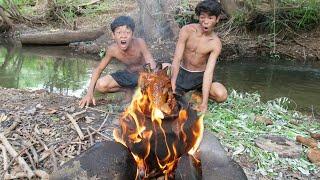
x,y
78,113
79,149
104,136
14,154
41,142
42,174
95,109
33,151
18,175
90,137
31,160
76,126
104,121
12,127
45,156
99,129
54,159
5,158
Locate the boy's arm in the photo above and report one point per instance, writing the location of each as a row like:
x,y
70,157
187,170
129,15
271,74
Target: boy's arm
x,y
208,73
95,76
180,46
146,54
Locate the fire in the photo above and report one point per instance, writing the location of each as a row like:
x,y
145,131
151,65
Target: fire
x,y
158,127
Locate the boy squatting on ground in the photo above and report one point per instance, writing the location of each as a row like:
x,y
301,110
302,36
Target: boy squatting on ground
x,y
196,53
127,49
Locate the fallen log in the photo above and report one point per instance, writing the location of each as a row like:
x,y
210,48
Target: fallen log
x,y
61,37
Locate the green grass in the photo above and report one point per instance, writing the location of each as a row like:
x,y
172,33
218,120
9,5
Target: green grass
x,y
233,122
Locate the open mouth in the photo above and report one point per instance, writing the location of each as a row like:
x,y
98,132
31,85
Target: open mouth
x,y
206,28
123,42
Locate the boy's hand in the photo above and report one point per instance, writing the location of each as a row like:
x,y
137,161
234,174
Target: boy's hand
x,y
202,108
85,101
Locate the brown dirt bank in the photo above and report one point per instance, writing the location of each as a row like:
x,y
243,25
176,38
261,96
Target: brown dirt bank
x,y
38,120
302,47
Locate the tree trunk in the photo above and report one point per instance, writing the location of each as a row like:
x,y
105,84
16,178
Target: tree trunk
x,y
5,18
229,6
60,37
45,8
155,19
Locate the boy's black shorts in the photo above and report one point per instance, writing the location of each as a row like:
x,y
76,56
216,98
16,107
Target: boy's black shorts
x,y
125,78
189,80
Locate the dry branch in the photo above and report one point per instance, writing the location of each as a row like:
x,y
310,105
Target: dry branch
x,y
12,127
19,175
89,3
5,158
42,174
104,136
14,154
76,126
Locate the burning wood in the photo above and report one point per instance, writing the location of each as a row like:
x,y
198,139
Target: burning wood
x,y
158,127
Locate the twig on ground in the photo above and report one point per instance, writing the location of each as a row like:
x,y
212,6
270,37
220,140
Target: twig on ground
x,y
76,126
14,154
42,174
12,127
33,151
102,124
104,136
78,113
79,148
16,176
5,158
90,137
95,109
40,141
54,159
31,160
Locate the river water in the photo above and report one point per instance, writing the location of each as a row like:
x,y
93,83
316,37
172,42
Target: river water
x,y
60,70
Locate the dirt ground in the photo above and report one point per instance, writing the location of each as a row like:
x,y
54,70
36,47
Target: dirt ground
x,y
38,125
40,121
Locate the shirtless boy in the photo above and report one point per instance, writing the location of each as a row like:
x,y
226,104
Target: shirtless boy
x,y
196,53
127,49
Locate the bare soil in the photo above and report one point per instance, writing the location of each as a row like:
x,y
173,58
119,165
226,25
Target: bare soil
x,y
37,123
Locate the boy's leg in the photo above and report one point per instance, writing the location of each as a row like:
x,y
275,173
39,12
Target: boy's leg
x,y
218,92
107,84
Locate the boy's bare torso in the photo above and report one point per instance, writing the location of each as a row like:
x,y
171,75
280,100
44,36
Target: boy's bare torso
x,y
132,57
197,49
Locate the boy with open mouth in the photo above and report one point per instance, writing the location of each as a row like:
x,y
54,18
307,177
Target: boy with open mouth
x,y
129,50
196,53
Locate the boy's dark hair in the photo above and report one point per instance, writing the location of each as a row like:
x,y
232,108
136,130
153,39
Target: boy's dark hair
x,y
122,21
212,7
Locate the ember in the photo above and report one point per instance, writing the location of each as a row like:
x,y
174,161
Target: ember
x,y
158,127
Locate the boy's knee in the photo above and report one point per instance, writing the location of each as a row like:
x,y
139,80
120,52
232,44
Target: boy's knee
x,y
101,86
220,95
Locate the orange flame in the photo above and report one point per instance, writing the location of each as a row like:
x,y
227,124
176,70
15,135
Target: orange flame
x,y
151,130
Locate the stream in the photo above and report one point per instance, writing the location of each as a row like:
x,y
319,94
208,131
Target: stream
x,y
61,70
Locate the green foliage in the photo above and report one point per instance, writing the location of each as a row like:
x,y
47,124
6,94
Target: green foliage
x,y
234,122
259,15
283,14
185,14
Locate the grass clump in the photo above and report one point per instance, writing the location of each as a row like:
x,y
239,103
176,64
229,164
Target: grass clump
x,y
234,123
